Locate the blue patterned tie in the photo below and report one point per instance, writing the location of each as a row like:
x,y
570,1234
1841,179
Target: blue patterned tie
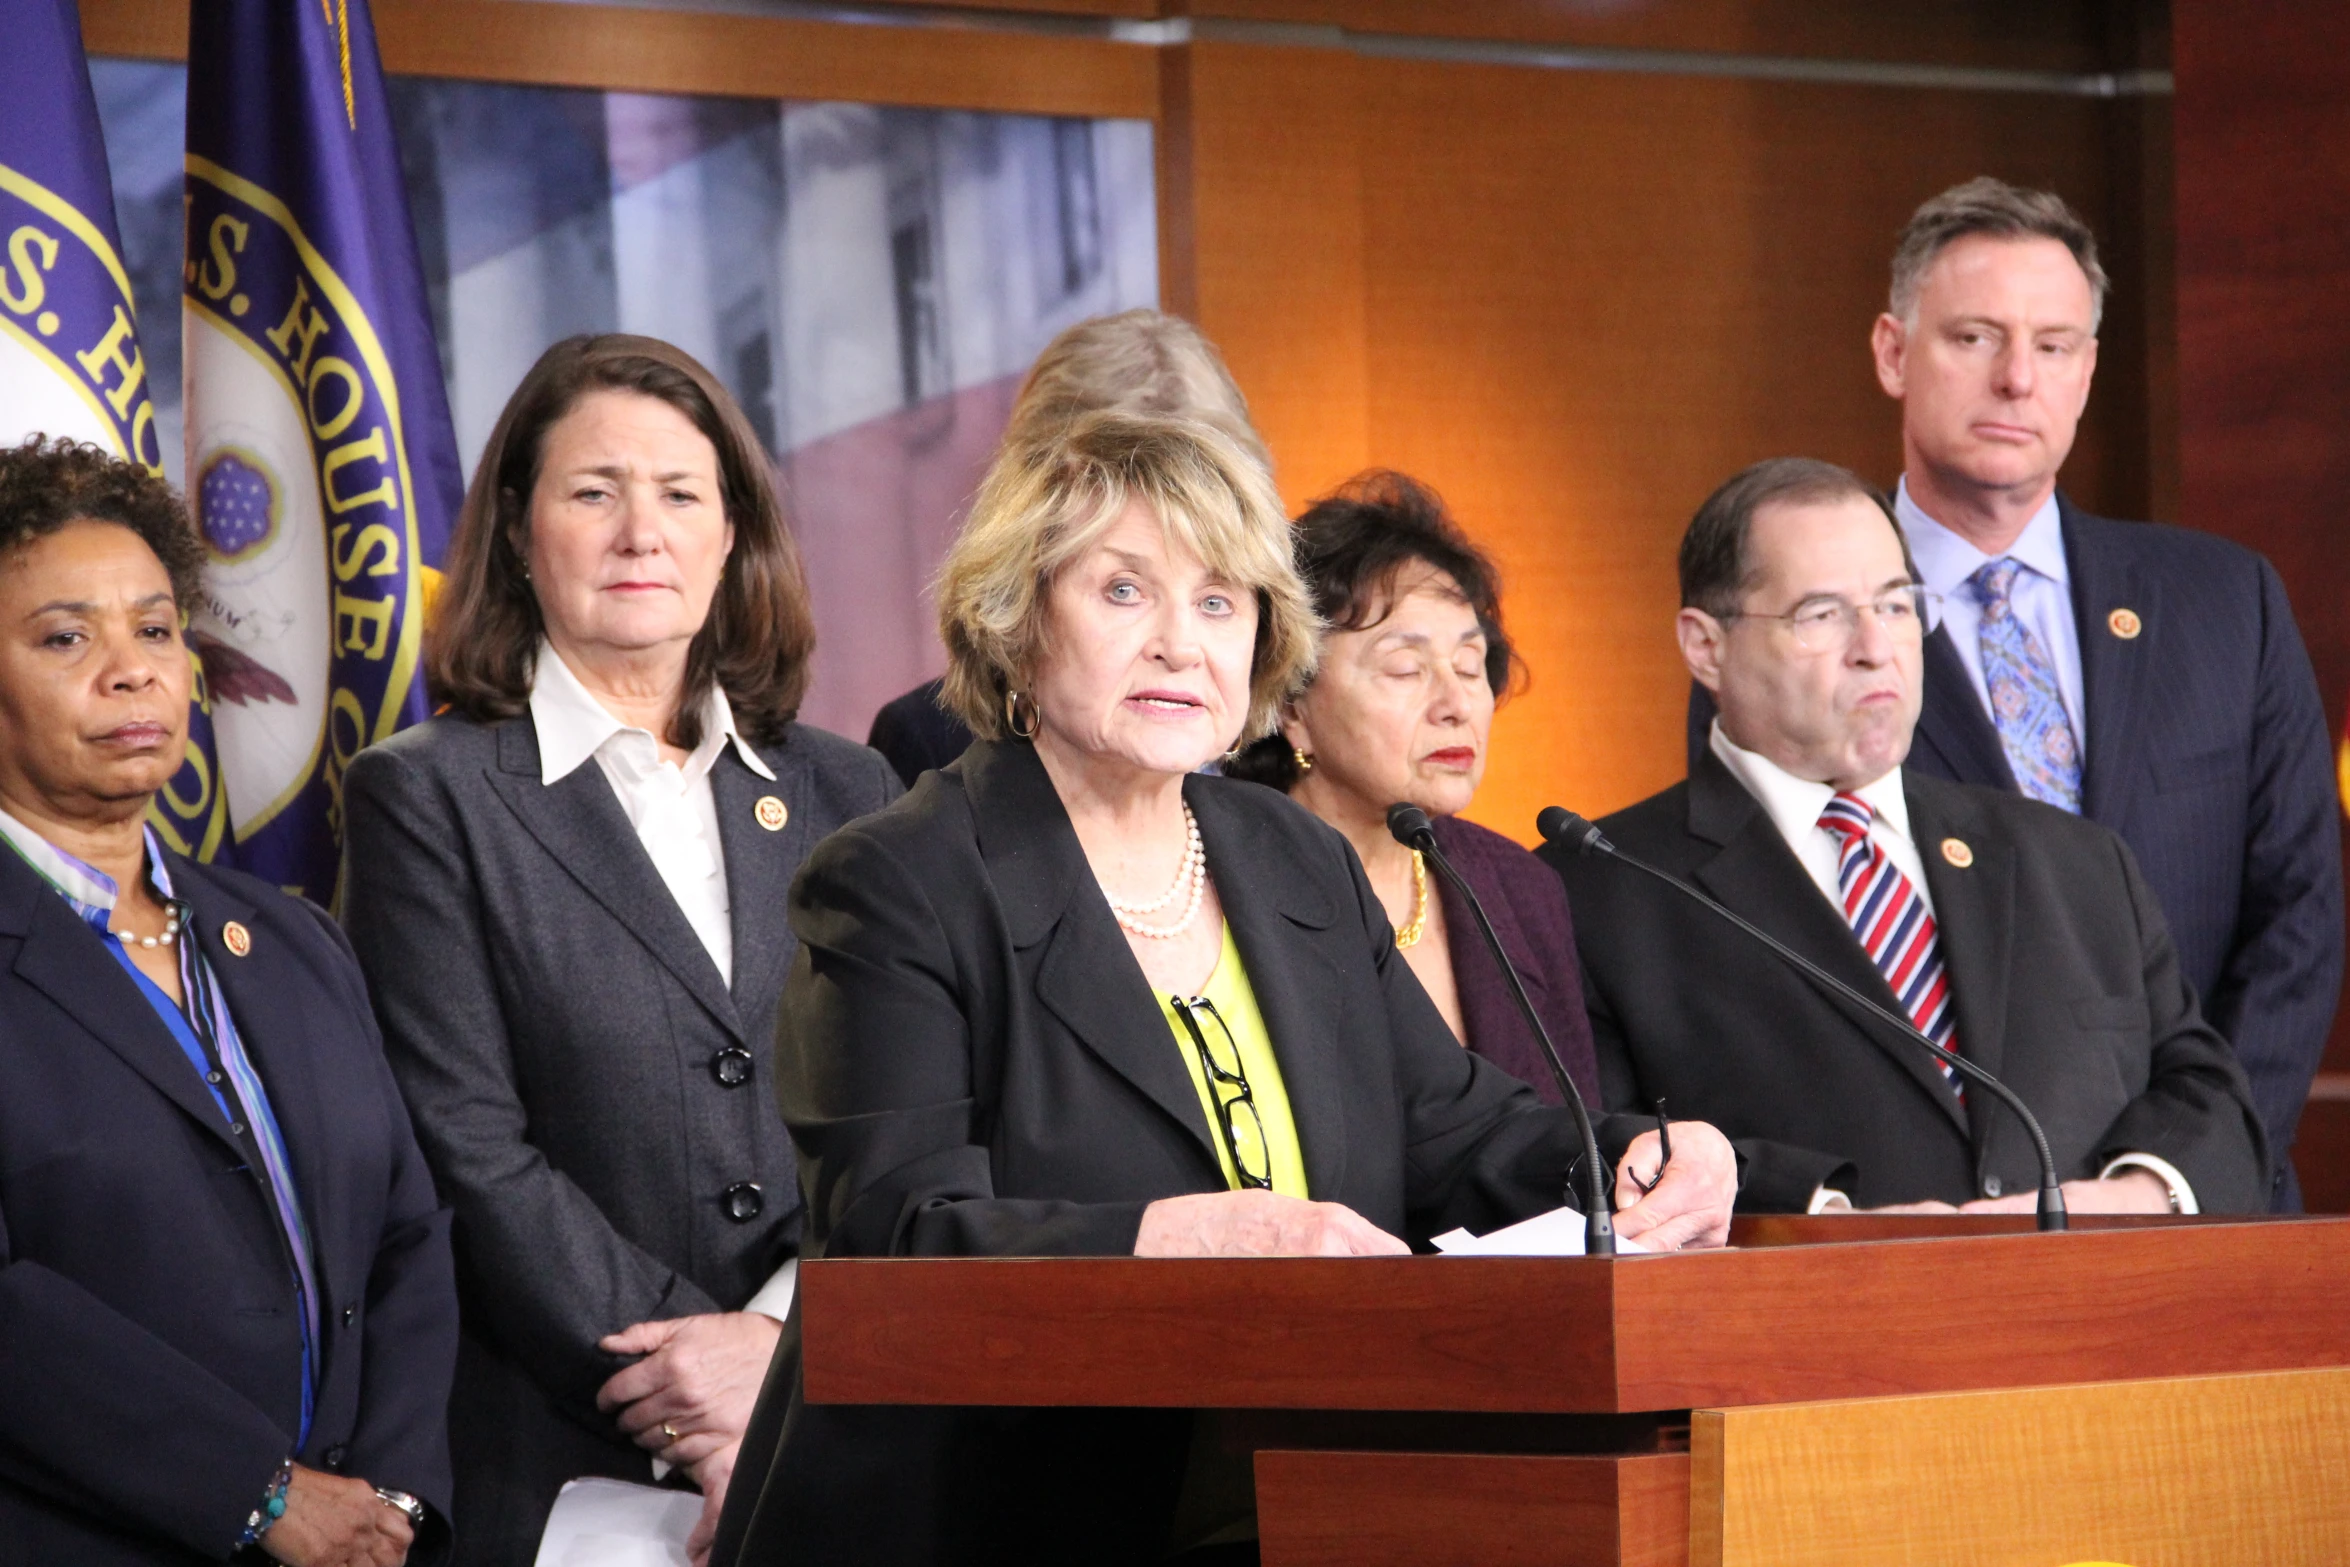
x,y
2026,705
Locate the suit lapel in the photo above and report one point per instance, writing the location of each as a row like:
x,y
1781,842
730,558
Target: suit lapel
x,y
760,864
1952,723
1974,908
579,822
1755,874
63,960
269,1020
1086,975
2113,668
1269,898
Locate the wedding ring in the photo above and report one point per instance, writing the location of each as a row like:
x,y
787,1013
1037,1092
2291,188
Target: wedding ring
x,y
670,1431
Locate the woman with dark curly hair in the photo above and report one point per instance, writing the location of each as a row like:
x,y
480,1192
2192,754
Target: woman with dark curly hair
x,y
227,1317
1413,661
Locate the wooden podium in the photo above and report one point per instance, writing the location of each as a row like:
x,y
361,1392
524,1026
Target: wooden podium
x,y
1946,1390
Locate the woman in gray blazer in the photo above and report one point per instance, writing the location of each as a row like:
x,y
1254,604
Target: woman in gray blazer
x,y
567,891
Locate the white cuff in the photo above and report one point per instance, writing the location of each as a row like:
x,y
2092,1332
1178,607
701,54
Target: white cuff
x,y
1826,1199
2182,1194
774,1297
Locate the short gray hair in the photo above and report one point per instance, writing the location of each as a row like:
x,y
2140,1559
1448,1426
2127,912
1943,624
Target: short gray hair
x,y
2002,211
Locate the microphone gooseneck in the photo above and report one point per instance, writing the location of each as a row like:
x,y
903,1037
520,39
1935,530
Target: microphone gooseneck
x,y
1411,828
1562,826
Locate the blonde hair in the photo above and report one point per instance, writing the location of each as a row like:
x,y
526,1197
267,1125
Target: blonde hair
x,y
1049,498
1137,362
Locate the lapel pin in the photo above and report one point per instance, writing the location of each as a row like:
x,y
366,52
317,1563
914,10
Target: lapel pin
x,y
1955,850
236,938
2125,624
771,812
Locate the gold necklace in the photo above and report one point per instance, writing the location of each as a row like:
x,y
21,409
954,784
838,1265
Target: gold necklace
x,y
1409,935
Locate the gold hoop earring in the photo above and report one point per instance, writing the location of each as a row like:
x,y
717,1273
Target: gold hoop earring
x,y
1012,701
1305,763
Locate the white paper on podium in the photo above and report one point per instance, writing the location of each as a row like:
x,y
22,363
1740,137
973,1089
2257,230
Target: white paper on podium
x,y
612,1523
1558,1233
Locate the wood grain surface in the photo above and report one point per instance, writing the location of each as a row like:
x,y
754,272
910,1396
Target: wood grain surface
x,y
1580,1335
2191,1472
1340,1509
1576,301
2262,116
674,51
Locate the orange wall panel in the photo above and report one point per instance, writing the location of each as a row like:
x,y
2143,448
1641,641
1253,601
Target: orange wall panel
x,y
1585,299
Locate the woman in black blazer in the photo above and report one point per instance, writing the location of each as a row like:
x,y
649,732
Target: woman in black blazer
x,y
1071,998
226,1311
567,892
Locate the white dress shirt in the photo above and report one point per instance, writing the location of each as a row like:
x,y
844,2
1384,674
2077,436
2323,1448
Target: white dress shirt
x,y
1794,805
2042,597
675,815
670,805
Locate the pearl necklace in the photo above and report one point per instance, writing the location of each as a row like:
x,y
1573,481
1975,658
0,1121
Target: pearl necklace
x,y
171,932
1191,884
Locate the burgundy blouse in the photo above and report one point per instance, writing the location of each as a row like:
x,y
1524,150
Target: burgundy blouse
x,y
1528,906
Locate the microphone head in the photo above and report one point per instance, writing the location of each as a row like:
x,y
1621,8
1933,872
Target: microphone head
x,y
1557,824
1409,824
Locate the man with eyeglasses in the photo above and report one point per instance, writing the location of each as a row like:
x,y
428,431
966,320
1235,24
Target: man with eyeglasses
x,y
2150,678
2007,930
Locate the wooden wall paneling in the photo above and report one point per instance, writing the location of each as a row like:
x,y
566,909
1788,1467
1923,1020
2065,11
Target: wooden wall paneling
x,y
1347,1509
2321,1151
1275,152
674,51
1593,296
2263,120
2193,1472
2043,35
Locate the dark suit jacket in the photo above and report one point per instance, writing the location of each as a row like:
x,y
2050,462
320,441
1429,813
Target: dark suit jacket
x,y
972,1064
917,734
2062,974
2209,752
150,1336
553,1021
1529,914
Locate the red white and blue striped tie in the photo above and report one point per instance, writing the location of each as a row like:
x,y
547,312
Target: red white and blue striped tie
x,y
1891,921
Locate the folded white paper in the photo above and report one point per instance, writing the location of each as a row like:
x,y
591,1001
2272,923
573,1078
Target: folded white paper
x,y
612,1523
1558,1233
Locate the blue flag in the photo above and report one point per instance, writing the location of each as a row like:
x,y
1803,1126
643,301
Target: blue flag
x,y
69,341
321,462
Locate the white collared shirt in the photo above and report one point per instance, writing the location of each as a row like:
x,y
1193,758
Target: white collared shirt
x,y
2042,597
1794,806
670,806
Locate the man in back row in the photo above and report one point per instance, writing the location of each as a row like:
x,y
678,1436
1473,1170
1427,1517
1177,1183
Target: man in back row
x,y
2148,678
2011,932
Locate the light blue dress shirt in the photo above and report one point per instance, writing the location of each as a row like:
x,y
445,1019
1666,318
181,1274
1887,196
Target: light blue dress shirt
x,y
2042,597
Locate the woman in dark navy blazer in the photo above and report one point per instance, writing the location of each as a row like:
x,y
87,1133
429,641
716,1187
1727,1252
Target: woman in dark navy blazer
x,y
1413,661
227,1316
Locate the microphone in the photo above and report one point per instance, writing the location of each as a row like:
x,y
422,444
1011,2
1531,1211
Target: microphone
x,y
1410,826
1562,826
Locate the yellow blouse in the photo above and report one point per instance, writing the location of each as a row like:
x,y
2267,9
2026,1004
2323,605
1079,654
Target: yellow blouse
x,y
1235,1002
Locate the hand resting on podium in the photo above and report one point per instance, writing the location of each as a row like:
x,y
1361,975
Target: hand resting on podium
x,y
1689,1205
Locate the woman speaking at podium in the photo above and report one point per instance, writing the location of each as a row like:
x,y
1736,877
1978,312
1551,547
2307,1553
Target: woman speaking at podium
x,y
1070,997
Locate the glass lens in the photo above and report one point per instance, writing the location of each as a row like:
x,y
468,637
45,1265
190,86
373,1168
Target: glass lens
x,y
1223,1056
1249,1153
